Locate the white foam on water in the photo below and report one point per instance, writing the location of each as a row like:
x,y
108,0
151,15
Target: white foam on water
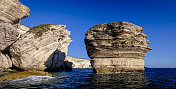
x,y
110,73
33,78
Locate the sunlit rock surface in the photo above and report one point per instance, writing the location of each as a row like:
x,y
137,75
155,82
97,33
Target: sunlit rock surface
x,y
11,14
77,62
116,47
12,11
8,35
5,61
43,47
22,29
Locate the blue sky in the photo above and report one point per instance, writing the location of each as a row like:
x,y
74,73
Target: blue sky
x,y
157,17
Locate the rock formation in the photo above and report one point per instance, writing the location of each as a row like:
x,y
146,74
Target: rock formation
x,y
116,47
12,11
8,35
5,61
22,29
43,47
78,62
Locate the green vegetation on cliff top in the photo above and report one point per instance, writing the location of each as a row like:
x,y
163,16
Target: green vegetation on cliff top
x,y
40,29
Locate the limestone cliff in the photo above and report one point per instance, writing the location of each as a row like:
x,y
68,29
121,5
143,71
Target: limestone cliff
x,y
116,47
77,62
8,35
43,47
12,11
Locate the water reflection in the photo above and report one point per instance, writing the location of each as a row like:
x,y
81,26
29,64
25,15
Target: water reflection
x,y
86,79
120,80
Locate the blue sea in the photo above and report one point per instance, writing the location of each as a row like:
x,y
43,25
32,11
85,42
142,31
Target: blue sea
x,y
86,79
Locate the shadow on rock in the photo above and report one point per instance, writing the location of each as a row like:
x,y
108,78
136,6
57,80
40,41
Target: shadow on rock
x,y
68,65
56,62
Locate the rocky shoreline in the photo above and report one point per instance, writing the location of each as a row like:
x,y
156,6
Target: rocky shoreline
x,y
40,48
113,47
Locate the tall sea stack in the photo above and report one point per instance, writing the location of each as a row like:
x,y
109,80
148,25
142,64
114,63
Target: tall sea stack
x,y
116,47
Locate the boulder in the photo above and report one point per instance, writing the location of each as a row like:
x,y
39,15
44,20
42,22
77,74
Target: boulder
x,y
43,47
77,62
116,47
8,35
5,61
12,11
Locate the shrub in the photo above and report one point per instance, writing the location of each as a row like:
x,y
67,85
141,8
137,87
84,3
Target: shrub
x,y
40,29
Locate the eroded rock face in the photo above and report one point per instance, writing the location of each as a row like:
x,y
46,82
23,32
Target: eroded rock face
x,y
77,62
5,61
42,48
12,11
22,29
8,35
116,47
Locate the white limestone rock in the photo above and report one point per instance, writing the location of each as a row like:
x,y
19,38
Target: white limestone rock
x,y
8,35
5,61
22,29
77,62
43,47
12,11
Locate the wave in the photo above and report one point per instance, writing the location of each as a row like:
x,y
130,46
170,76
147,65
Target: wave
x,y
27,81
33,79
